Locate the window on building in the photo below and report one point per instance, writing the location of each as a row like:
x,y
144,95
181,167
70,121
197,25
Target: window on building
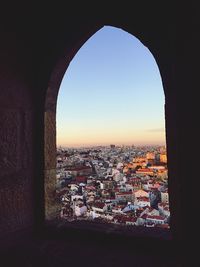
x,y
111,161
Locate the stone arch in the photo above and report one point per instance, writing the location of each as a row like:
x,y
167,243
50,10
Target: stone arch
x,y
161,53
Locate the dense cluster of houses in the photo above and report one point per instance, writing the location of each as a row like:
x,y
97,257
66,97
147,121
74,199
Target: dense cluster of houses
x,y
120,185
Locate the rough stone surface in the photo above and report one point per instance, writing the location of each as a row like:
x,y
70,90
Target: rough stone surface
x,y
10,122
50,140
51,206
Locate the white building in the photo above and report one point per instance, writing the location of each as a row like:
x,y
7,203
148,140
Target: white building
x,y
164,197
142,202
153,219
141,193
80,210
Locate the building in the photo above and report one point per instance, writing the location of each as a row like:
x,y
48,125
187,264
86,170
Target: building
x,y
163,158
145,171
124,196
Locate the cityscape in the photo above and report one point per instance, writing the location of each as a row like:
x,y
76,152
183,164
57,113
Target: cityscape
x,y
121,185
111,154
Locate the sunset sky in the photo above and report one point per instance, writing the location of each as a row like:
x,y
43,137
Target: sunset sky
x,y
111,93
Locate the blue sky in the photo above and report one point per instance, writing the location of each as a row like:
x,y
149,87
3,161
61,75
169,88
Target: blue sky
x,y
111,93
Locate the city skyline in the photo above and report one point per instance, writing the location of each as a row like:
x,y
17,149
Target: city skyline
x,y
111,93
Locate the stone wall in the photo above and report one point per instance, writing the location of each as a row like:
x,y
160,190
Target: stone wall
x,y
33,49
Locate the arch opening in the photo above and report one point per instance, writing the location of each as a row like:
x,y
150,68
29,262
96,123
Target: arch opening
x,y
132,183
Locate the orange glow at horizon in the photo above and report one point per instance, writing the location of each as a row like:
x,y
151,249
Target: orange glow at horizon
x,y
92,138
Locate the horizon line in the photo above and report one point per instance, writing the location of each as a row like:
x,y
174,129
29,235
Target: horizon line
x,y
106,145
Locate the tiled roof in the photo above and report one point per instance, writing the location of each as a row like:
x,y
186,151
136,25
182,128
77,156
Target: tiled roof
x,y
98,205
155,217
124,193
